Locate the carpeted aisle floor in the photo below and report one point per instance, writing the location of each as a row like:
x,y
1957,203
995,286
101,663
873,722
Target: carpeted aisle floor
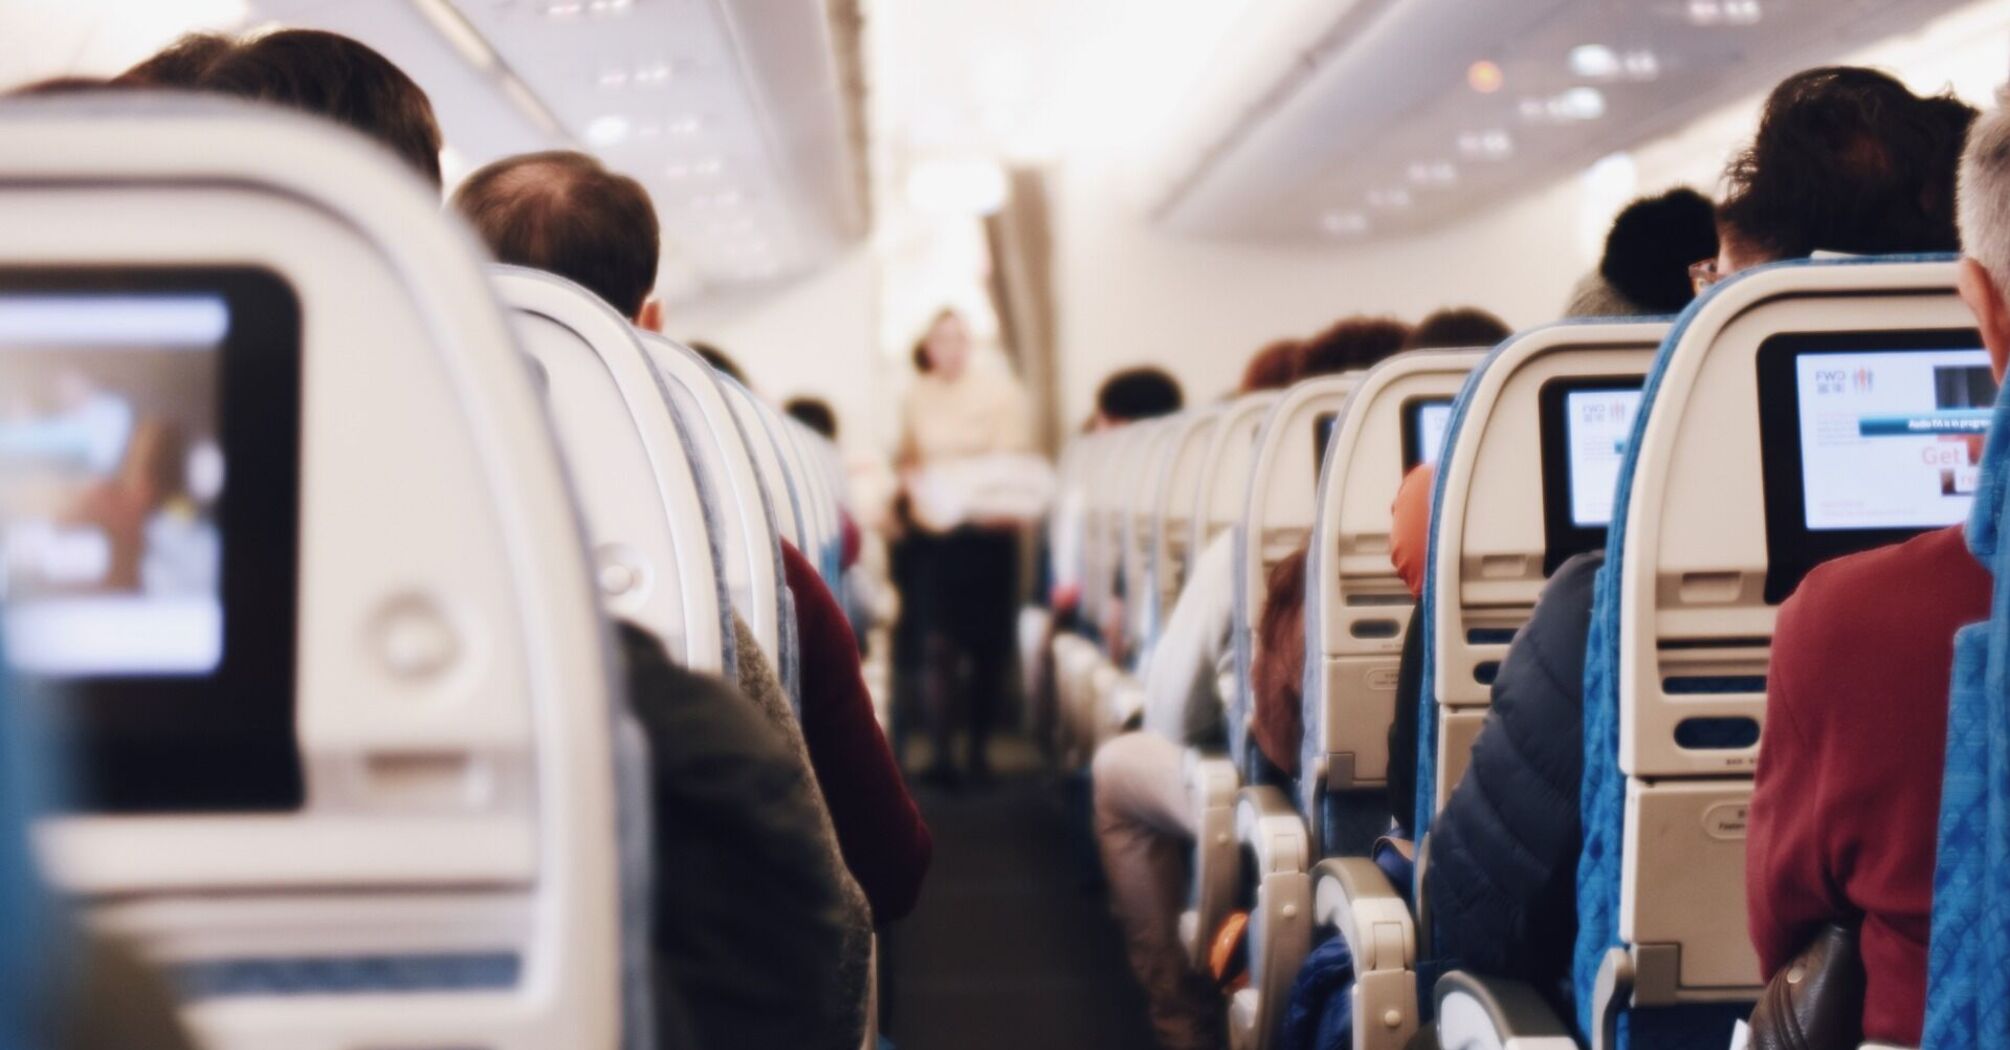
x,y
1009,949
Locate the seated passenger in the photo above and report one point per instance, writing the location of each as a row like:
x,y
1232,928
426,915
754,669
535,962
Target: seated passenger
x,y
1860,157
329,75
1846,805
564,213
181,64
1644,271
1144,819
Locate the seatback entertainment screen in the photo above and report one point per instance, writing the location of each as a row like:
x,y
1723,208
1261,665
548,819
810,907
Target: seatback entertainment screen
x,y
1868,438
1586,422
1891,440
110,550
150,426
1424,424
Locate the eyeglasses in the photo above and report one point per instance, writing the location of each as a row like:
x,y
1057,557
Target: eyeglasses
x,y
1702,274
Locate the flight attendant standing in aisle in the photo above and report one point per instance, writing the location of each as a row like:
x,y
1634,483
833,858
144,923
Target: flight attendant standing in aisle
x,y
959,566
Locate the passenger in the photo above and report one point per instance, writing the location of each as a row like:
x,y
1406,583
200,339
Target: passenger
x,y
564,213
814,413
1844,159
1644,270
1457,328
720,362
1846,804
1272,368
182,64
329,75
959,586
1144,819
1136,394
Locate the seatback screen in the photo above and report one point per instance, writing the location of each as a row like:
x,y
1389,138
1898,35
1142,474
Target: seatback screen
x,y
1586,422
1597,424
1424,423
1868,438
110,554
1891,440
149,462
1322,435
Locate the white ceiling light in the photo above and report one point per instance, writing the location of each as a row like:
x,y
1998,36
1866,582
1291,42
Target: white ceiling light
x,y
609,130
1725,12
685,125
1594,62
1579,103
957,187
1344,223
1434,173
1640,65
1389,200
1491,144
564,9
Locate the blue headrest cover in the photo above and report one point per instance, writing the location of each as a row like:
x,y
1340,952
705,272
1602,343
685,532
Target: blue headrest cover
x,y
1603,800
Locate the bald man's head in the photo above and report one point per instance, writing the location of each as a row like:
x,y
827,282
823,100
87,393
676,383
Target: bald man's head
x,y
562,212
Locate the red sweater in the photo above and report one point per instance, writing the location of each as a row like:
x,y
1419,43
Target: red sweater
x,y
879,829
1847,803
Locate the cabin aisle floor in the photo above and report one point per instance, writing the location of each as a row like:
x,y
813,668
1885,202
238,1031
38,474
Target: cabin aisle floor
x,y
1010,948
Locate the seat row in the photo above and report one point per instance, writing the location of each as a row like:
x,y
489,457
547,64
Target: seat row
x,y
1697,452
425,823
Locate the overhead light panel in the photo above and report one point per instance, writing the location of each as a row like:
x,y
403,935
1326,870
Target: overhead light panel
x,y
1577,104
1389,200
1344,223
1490,144
1438,173
1725,12
609,130
1599,62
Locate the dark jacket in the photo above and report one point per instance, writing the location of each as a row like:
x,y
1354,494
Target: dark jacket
x,y
886,844
1502,877
751,933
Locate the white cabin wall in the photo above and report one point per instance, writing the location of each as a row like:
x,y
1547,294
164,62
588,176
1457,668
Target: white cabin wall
x,y
1130,294
817,336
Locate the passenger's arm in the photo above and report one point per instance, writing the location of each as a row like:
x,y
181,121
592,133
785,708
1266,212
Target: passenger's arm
x,y
885,842
1787,889
1181,703
1504,851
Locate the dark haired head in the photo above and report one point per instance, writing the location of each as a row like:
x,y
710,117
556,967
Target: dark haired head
x,y
1271,368
1652,244
1455,328
1356,342
1138,393
562,212
1847,160
182,64
332,76
719,361
59,86
814,413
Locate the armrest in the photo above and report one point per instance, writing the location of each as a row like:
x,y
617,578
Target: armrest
x,y
1211,780
1496,1011
1355,897
1271,827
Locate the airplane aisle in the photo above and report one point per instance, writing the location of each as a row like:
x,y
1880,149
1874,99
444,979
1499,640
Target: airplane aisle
x,y
1009,948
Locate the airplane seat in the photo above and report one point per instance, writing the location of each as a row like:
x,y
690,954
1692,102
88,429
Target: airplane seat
x,y
1212,778
655,556
1171,553
1509,503
1968,950
1119,695
366,794
1277,519
1141,529
1357,607
749,539
1725,498
792,517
